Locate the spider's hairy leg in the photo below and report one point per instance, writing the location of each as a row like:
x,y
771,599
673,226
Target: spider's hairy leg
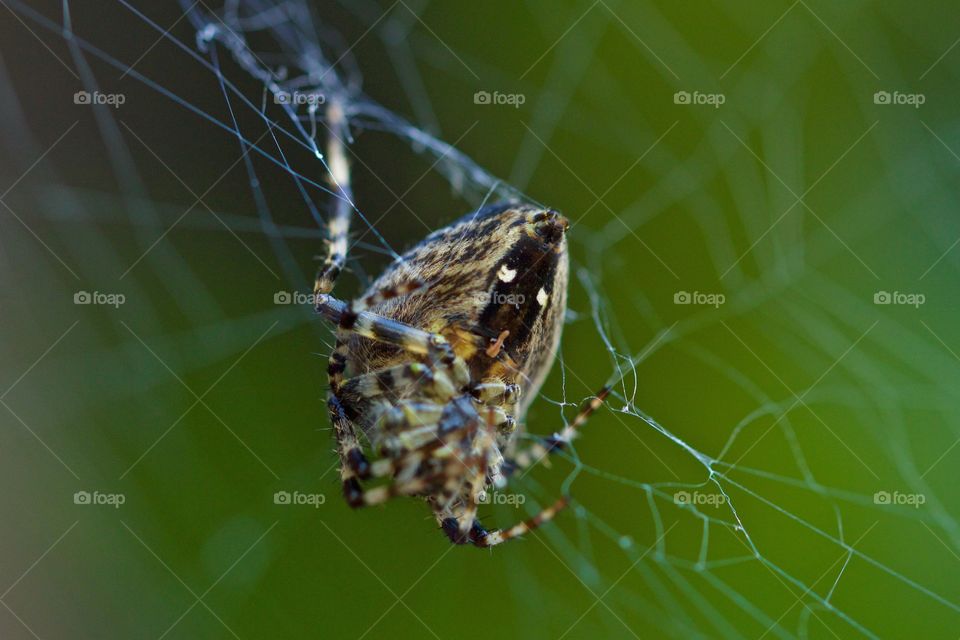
x,y
349,316
416,485
338,226
502,421
353,463
438,446
496,392
502,397
540,450
406,415
393,445
397,379
408,478
428,432
369,325
481,537
483,446
410,424
383,329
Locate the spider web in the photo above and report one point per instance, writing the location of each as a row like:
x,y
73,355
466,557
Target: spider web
x,y
728,487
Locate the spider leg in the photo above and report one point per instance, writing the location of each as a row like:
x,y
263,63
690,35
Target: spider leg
x,y
496,392
353,463
383,329
414,486
481,537
502,397
339,224
405,426
461,524
395,380
540,450
484,444
410,470
408,479
438,447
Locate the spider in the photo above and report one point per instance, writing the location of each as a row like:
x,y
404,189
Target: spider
x,y
436,364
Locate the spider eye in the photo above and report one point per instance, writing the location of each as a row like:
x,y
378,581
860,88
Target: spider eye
x,y
551,226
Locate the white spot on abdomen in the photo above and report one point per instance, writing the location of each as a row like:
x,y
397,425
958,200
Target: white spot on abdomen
x,y
506,274
542,297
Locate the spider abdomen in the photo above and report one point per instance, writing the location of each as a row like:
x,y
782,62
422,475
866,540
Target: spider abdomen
x,y
503,269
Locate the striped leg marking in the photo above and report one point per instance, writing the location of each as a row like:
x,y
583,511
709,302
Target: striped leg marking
x,y
338,227
539,451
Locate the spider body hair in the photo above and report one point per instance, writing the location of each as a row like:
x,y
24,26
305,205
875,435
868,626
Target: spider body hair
x,y
503,269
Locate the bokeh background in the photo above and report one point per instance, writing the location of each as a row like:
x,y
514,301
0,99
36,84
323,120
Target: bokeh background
x,y
789,168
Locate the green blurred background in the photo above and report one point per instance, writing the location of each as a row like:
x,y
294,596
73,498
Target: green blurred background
x,y
800,198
